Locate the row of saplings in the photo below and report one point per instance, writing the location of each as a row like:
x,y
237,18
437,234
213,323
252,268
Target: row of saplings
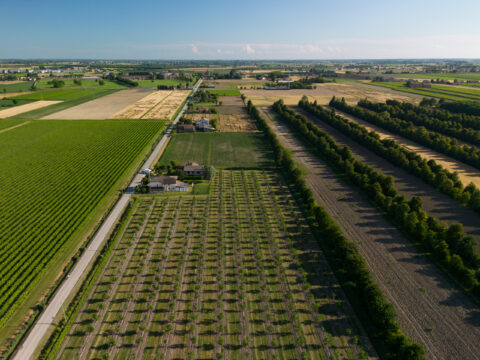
x,y
454,249
376,313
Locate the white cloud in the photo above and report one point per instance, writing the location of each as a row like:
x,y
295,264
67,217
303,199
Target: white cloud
x,y
195,49
249,49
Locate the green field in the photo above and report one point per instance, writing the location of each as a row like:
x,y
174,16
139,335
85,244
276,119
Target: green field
x,y
86,84
56,176
7,103
6,123
222,150
70,97
154,83
58,94
447,92
225,92
233,275
442,76
13,88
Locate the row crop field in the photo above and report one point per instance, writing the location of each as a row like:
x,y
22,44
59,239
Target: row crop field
x,y
447,92
223,150
236,274
57,94
56,175
7,123
85,84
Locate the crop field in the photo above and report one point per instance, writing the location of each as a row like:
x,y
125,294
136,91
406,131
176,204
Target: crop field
x,y
25,108
227,84
442,76
167,108
76,98
166,82
54,175
447,92
138,109
236,274
7,123
228,122
351,91
225,92
56,94
101,104
86,84
15,87
223,150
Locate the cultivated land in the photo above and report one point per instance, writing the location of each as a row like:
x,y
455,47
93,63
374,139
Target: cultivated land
x,y
168,107
223,150
8,123
435,202
17,110
200,277
225,84
430,309
86,84
466,173
57,179
101,108
351,91
139,108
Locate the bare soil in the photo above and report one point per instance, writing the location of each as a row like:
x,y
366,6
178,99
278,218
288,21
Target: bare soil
x,y
101,108
430,309
27,107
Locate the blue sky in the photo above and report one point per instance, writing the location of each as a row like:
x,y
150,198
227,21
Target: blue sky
x,y
248,29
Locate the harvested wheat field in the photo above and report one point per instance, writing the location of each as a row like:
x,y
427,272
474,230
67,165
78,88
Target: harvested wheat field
x,y
228,122
167,108
430,309
351,91
138,109
101,108
25,108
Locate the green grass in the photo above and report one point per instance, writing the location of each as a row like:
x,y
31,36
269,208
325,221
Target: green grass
x,y
6,123
58,94
54,175
86,84
13,88
225,92
447,92
222,150
443,76
201,189
204,104
7,103
76,98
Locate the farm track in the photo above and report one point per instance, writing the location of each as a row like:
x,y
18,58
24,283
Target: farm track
x,y
435,202
466,173
430,310
15,126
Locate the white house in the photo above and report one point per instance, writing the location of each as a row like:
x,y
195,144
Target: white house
x,y
166,183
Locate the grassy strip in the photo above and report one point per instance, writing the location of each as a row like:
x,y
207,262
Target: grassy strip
x,y
56,339
375,312
39,113
225,92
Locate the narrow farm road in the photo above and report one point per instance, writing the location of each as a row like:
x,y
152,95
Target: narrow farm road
x,y
14,126
430,309
46,320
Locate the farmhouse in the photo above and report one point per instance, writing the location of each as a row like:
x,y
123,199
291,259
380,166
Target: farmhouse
x,y
194,169
166,183
204,125
183,128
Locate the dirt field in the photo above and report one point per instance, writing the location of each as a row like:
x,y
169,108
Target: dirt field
x,y
101,108
353,92
228,123
434,202
167,108
138,109
430,309
25,108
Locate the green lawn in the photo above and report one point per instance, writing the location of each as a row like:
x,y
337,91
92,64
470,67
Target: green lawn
x,y
86,84
225,92
71,98
201,189
222,150
13,88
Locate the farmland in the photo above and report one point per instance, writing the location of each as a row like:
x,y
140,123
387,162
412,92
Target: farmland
x,y
26,108
139,108
57,178
217,276
167,108
15,87
223,150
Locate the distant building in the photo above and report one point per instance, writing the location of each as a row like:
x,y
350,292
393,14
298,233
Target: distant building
x,y
184,128
166,183
194,169
203,125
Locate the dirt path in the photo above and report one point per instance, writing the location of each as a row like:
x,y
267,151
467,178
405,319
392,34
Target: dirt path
x,y
435,203
14,127
430,310
466,173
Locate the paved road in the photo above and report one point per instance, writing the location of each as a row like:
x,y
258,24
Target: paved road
x,y
56,305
